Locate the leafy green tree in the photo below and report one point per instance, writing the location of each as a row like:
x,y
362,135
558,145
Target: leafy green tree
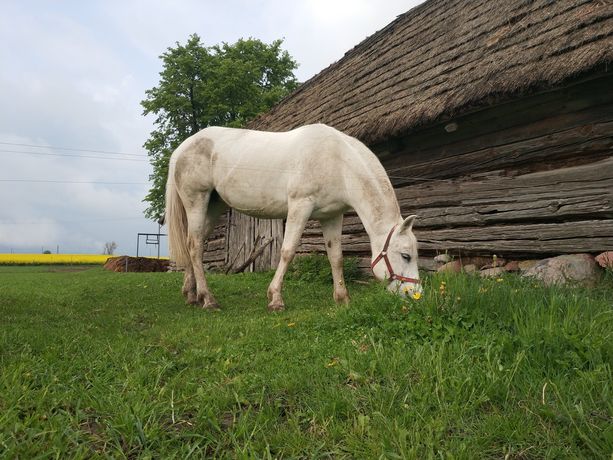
x,y
200,86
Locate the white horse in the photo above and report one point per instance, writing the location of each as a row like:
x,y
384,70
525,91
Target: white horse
x,y
311,172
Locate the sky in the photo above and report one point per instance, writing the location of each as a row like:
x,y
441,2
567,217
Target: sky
x,y
73,172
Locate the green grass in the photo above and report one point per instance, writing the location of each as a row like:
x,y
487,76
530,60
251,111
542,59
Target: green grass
x,y
98,364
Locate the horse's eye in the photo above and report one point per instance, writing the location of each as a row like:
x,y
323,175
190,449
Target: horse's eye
x,y
406,257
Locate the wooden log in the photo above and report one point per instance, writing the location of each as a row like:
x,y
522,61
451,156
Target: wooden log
x,y
550,238
576,144
580,104
570,193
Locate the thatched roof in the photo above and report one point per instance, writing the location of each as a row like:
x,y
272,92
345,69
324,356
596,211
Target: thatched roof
x,y
446,56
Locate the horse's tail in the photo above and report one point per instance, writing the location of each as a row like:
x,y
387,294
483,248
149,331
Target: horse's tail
x,y
176,219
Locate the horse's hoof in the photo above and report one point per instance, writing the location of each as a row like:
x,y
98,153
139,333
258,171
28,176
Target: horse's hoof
x,y
191,299
276,307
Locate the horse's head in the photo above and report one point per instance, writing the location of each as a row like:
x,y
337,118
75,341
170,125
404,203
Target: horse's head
x,y
397,261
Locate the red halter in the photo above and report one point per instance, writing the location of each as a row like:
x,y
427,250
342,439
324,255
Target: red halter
x,y
383,255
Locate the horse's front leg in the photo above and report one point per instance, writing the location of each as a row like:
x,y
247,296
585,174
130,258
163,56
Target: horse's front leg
x,y
297,217
332,230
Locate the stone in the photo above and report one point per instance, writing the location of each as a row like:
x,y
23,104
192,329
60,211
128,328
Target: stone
x,y
512,266
478,261
451,267
605,259
427,264
526,264
470,268
577,268
492,272
443,258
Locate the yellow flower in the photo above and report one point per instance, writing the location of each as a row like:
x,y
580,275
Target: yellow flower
x,y
499,280
417,295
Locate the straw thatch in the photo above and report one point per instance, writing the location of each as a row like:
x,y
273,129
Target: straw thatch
x,y
447,56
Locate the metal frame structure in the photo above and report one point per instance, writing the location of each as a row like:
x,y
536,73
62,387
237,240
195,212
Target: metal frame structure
x,y
150,239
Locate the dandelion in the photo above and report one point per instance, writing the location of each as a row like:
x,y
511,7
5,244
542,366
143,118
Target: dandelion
x,y
417,295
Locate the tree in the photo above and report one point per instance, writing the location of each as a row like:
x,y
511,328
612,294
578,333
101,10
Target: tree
x,y
109,248
221,85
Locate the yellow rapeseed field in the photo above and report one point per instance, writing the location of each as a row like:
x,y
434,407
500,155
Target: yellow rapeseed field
x,y
37,259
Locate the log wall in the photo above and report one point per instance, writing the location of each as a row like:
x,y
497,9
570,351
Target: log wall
x,y
528,178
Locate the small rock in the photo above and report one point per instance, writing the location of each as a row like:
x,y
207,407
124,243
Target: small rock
x,y
451,267
605,260
470,268
491,272
580,268
443,258
512,266
478,262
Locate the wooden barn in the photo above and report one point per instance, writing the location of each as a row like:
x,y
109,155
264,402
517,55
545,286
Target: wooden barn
x,y
494,120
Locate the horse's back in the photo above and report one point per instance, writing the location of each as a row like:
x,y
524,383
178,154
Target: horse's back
x,y
257,172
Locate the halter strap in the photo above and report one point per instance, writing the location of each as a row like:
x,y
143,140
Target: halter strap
x,y
383,256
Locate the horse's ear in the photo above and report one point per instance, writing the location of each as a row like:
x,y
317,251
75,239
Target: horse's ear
x,y
407,224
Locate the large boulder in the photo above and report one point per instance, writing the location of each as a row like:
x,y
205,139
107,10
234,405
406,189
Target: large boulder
x,y
573,268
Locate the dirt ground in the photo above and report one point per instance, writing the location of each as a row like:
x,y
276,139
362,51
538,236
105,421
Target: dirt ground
x,y
136,264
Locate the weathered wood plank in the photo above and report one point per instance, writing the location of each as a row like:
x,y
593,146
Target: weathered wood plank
x,y
580,143
582,103
578,192
548,238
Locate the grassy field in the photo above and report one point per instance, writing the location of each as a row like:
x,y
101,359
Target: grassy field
x,y
102,364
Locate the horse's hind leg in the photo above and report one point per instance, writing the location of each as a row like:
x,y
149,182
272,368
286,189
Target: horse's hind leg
x,y
189,285
332,231
199,227
297,217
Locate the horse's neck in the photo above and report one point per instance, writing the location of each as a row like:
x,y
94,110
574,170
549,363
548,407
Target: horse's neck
x,y
378,209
